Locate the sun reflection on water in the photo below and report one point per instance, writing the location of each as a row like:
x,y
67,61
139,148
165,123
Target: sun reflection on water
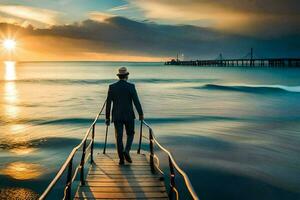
x,y
10,90
18,193
22,170
22,150
10,70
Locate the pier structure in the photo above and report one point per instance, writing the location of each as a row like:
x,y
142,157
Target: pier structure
x,y
267,62
247,61
89,175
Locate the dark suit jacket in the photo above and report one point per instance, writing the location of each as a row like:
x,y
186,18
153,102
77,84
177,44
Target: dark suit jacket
x,y
122,94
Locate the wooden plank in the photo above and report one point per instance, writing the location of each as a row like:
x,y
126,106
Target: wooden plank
x,y
130,164
85,198
100,161
122,189
124,184
97,160
134,156
115,164
93,172
123,179
125,168
115,155
127,178
122,176
106,179
126,164
119,170
117,158
99,195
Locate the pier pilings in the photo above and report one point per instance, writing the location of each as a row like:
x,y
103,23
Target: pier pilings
x,y
266,62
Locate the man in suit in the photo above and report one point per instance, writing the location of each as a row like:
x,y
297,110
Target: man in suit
x,y
123,95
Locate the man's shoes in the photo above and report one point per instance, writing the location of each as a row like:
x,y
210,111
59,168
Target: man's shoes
x,y
121,162
127,157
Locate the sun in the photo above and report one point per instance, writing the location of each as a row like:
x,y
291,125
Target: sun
x,y
9,44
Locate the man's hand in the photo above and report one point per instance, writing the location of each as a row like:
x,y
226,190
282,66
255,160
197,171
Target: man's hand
x,y
141,117
107,122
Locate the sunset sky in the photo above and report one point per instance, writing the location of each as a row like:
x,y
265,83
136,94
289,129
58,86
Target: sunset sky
x,y
149,30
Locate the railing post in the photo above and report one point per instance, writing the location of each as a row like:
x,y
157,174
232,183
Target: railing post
x,y
104,149
92,146
151,151
82,164
172,179
69,180
141,135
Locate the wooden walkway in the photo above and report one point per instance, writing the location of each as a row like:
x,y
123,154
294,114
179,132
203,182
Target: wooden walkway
x,y
106,179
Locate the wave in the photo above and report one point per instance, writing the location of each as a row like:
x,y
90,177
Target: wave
x,y
50,121
88,121
189,119
105,81
79,121
151,120
253,88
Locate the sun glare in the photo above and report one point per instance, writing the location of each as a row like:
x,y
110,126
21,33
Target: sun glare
x,y
9,44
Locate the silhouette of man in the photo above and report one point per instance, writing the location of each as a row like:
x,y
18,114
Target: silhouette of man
x,y
123,95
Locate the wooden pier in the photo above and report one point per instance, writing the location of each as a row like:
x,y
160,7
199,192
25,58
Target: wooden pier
x,y
267,62
108,180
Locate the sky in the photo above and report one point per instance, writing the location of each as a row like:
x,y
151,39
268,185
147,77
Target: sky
x,y
149,30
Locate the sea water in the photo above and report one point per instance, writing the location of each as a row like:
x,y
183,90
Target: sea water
x,y
234,130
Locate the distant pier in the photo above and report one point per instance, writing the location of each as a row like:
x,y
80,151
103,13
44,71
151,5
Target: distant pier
x,y
249,60
266,62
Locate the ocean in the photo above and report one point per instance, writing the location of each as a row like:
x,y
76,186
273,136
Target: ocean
x,y
235,131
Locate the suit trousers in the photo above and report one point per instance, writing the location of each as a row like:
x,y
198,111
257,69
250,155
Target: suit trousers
x,y
119,127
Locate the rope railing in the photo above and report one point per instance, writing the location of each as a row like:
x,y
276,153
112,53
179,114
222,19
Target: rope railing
x,y
68,164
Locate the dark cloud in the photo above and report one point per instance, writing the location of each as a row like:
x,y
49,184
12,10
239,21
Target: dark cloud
x,y
255,6
250,17
124,36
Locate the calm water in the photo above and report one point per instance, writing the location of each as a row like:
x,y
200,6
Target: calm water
x,y
235,131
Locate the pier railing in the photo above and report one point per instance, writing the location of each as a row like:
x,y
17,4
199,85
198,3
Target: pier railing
x,y
72,171
87,147
173,166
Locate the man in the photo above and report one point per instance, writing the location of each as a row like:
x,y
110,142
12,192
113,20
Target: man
x,y
122,94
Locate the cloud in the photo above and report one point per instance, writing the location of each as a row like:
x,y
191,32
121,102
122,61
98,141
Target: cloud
x,y
118,8
119,38
99,16
243,16
45,16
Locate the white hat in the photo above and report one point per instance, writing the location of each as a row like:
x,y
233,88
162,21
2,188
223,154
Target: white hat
x,y
123,71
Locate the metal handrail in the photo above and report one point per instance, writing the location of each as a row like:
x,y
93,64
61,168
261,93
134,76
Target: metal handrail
x,y
69,161
172,163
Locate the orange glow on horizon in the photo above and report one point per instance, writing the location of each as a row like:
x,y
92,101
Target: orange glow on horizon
x,y
45,48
